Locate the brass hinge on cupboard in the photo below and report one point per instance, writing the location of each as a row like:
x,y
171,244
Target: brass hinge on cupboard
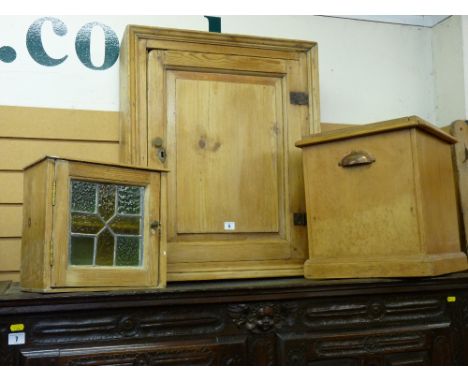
x,y
299,98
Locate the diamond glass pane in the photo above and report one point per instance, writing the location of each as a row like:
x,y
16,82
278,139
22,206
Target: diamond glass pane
x,y
82,250
106,224
128,251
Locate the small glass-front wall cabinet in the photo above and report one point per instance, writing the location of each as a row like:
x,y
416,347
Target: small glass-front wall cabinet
x,y
92,226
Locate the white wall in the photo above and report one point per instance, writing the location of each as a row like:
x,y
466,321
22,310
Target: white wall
x,y
464,27
368,71
448,71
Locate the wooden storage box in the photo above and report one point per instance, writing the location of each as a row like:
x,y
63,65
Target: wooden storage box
x,y
381,201
222,113
92,226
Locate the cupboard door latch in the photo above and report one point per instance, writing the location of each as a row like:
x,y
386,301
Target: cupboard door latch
x,y
158,143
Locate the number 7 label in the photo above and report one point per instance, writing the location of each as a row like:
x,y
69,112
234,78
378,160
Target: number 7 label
x,y
16,338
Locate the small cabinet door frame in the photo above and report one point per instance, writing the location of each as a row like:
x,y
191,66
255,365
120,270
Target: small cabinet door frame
x,y
151,273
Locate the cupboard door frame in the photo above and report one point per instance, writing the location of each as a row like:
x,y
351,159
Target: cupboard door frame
x,y
294,62
233,250
152,271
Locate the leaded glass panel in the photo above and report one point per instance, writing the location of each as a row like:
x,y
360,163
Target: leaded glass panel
x,y
106,224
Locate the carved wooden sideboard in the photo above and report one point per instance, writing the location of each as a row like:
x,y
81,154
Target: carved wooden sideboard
x,y
263,322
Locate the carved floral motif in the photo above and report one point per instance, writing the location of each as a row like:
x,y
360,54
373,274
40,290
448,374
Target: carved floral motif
x,y
262,318
128,326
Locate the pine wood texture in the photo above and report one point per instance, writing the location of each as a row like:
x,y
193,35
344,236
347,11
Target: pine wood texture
x,y
218,105
395,217
205,197
328,126
37,236
45,262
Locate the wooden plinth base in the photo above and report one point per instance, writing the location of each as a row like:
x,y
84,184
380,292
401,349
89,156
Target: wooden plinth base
x,y
426,265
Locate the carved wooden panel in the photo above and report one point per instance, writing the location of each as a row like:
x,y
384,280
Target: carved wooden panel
x,y
229,351
121,325
245,323
374,310
398,346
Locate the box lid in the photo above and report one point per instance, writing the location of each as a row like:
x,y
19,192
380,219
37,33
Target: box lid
x,y
376,128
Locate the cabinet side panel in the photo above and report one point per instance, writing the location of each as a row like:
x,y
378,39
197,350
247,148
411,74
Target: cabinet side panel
x,y
34,254
133,99
314,89
439,206
125,101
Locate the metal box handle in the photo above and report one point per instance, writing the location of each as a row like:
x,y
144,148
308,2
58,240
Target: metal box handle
x,y
356,158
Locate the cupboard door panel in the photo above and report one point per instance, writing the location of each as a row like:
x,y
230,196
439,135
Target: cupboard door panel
x,y
226,146
228,169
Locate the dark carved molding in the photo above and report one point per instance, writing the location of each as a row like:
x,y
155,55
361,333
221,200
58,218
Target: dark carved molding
x,y
262,318
262,350
105,326
128,326
362,312
233,360
353,345
202,356
297,356
441,351
376,310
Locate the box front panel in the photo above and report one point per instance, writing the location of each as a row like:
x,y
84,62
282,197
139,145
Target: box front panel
x,y
363,212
